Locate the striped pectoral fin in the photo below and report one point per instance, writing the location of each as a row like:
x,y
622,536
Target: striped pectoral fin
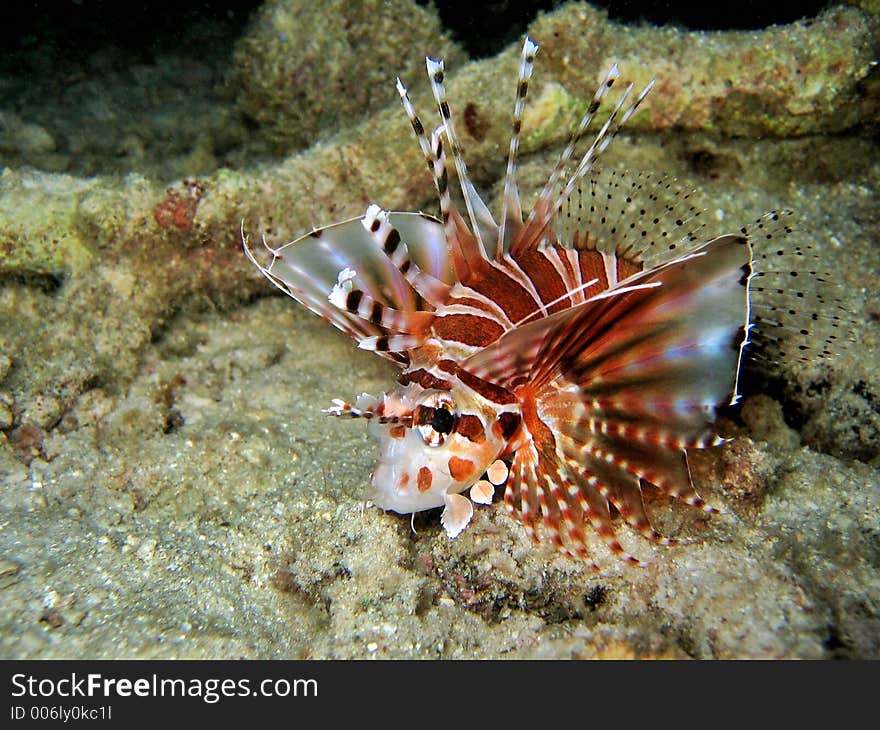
x,y
648,385
304,277
543,486
511,359
534,351
622,462
308,269
360,304
557,498
591,497
670,339
390,343
571,476
520,496
391,233
676,331
536,503
542,482
680,341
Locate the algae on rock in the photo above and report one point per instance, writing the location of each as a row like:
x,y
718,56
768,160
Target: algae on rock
x,y
305,69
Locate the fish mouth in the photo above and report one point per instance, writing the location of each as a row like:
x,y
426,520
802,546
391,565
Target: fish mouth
x,y
393,488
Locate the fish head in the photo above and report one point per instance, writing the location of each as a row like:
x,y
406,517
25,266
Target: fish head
x,y
433,443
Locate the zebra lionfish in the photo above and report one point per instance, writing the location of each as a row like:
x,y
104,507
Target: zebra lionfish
x,y
573,354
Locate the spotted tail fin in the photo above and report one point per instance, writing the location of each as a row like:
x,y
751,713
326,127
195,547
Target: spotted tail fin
x,y
797,314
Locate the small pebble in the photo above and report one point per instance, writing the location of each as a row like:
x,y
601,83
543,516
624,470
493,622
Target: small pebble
x,y
8,573
7,417
43,411
5,366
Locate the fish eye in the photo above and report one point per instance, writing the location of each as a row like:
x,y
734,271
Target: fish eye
x,y
442,421
434,416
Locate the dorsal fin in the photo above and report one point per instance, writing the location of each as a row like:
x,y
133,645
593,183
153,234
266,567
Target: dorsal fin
x,y
544,210
642,216
567,154
511,209
482,223
436,163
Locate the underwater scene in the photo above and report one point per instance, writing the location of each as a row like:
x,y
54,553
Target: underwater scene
x,y
409,330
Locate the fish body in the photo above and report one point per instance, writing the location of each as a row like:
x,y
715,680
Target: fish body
x,y
581,348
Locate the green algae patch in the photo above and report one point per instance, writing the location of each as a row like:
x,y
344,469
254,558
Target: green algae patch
x,y
308,69
801,78
38,215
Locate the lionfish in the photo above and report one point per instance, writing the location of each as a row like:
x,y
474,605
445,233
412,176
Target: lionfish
x,y
573,354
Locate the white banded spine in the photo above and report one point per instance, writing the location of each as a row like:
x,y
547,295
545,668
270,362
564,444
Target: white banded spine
x,y
511,209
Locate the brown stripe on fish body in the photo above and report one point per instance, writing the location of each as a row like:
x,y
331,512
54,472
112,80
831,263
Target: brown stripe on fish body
x,y
497,285
565,261
626,267
489,391
471,427
467,329
448,366
545,277
493,312
469,302
592,265
425,379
